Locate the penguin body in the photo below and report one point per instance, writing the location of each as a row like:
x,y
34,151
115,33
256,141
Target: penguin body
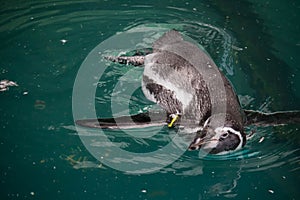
x,y
176,80
186,83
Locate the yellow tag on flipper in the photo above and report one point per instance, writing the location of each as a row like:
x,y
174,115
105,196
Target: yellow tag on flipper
x,y
173,120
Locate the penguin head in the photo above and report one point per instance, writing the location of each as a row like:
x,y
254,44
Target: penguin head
x,y
218,140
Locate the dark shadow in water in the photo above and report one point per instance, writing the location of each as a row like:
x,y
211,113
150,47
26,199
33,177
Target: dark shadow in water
x,y
269,74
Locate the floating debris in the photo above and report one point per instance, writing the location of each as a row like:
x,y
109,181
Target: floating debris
x,y
157,194
230,195
87,164
63,41
237,48
261,139
271,191
5,84
81,162
40,105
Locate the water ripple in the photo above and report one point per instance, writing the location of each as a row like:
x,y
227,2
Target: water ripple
x,y
220,44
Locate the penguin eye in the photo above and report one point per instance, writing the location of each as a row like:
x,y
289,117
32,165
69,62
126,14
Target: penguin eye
x,y
224,135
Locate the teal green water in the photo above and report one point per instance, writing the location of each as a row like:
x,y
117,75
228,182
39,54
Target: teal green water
x,y
43,44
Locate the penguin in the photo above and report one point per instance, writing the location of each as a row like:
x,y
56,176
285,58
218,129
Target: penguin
x,y
180,87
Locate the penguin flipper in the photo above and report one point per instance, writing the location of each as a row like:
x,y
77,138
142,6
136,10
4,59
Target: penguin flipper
x,y
268,119
128,60
141,120
135,58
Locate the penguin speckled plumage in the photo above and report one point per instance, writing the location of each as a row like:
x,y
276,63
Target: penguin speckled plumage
x,y
179,87
176,77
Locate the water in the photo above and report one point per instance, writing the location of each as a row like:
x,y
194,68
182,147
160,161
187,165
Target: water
x,y
43,44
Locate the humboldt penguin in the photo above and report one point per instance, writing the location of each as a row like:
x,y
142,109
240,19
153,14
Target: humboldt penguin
x,y
173,81
183,80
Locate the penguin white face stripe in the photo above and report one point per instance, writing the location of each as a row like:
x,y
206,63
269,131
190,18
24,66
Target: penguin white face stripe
x,y
221,130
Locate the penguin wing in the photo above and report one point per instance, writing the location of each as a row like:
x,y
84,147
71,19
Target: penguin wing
x,y
151,119
140,120
268,119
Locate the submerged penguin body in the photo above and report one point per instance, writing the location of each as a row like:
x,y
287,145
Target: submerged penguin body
x,y
186,83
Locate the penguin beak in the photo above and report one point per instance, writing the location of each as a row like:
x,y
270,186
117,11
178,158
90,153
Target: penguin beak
x,y
202,137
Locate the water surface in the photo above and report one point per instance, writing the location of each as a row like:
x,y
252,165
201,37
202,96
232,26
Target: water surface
x,y
44,43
